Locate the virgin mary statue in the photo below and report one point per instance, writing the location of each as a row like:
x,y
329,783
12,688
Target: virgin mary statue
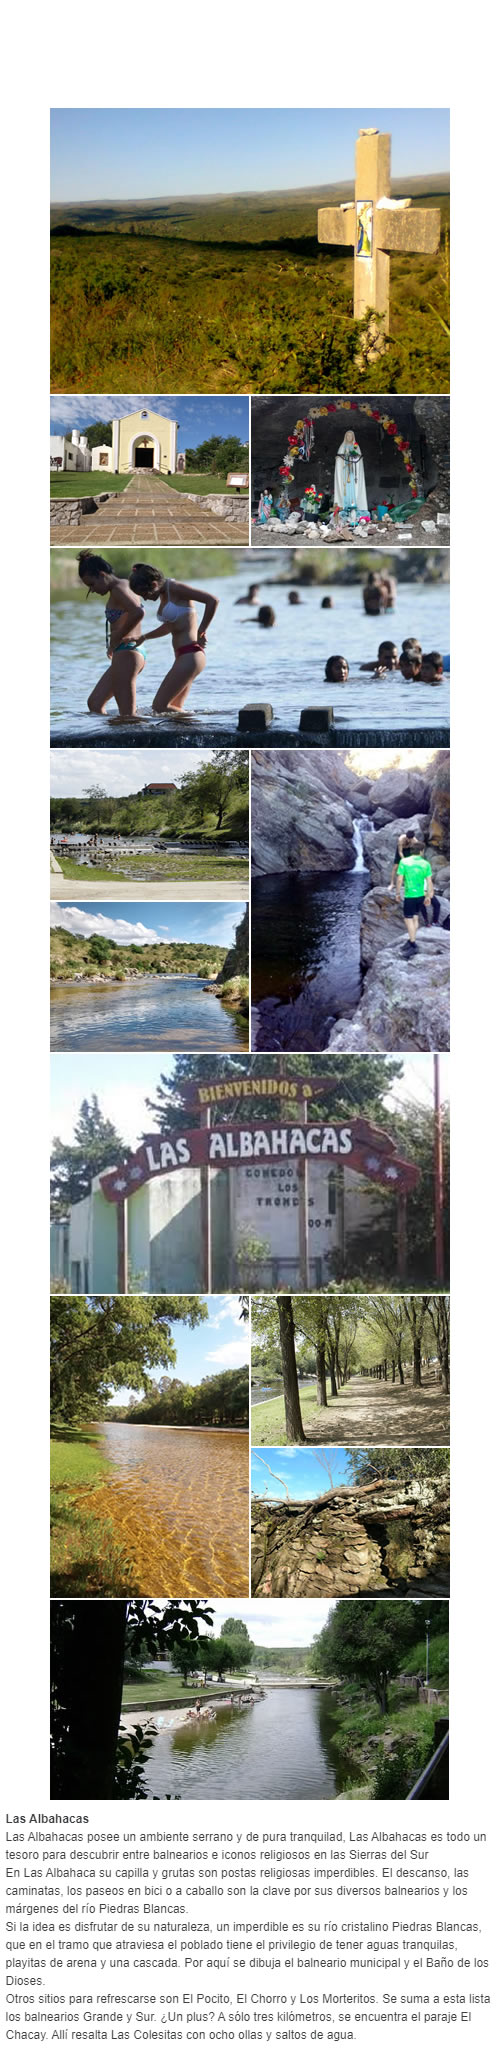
x,y
350,487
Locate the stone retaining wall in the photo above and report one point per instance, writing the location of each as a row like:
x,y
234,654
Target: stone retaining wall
x,y
384,1538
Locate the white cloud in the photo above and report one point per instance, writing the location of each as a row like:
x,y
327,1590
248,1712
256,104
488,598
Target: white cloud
x,y
83,410
75,770
233,1353
283,1624
86,923
229,1313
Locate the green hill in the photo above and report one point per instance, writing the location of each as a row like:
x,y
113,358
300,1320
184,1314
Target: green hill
x,y
88,958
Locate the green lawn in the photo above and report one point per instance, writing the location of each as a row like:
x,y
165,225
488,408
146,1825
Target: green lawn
x,y
204,484
268,1422
84,483
180,867
85,1558
151,1686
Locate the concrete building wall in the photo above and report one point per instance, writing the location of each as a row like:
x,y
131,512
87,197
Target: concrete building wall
x,y
80,1247
69,452
102,457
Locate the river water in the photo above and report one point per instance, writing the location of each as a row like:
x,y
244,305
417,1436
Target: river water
x,y
177,1500
165,1013
306,960
284,665
279,1748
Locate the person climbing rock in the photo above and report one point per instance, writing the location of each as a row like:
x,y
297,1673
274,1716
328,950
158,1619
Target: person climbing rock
x,y
413,883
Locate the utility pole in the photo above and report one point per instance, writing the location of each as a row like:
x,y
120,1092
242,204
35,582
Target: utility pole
x,y
438,1175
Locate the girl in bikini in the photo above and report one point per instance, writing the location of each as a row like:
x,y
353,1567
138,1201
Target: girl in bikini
x,y
177,615
124,615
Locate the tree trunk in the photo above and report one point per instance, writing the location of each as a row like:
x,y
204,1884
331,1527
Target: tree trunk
x,y
400,1368
321,1394
417,1359
92,1680
293,1417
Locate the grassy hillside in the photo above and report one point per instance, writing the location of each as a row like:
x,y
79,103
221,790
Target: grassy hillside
x,y
96,956
134,816
232,295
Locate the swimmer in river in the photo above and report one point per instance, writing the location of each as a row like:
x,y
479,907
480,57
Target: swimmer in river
x,y
124,616
178,618
387,659
252,595
265,617
337,669
431,670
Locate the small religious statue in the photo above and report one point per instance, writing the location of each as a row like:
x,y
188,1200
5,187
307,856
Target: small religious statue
x,y
350,488
264,508
283,505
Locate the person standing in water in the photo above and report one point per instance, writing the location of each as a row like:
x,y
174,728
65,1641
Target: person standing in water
x,y
124,616
177,615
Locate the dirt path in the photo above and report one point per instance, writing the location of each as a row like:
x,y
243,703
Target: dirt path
x,y
146,513
371,1412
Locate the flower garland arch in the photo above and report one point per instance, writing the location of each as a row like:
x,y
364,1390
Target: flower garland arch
x,y
301,441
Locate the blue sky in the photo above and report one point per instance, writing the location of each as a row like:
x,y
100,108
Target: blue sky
x,y
218,1345
122,1085
137,924
198,418
75,770
153,152
303,1474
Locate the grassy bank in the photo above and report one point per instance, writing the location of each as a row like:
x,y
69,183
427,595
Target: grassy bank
x,y
85,483
205,486
70,955
84,1556
356,1730
167,867
153,1687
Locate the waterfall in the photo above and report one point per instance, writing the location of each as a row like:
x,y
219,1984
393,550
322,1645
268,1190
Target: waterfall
x,y
359,825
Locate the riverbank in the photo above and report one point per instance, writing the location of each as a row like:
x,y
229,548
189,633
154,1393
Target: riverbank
x,y
143,1510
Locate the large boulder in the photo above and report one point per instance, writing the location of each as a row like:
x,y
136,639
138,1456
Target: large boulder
x,y
401,791
382,923
300,821
439,821
405,1006
380,846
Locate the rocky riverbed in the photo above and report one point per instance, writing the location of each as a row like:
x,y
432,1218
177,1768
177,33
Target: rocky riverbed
x,y
313,816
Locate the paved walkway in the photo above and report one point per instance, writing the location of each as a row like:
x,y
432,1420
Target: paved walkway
x,y
209,891
148,512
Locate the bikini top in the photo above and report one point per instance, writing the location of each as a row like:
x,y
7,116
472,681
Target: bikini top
x,y
116,611
170,612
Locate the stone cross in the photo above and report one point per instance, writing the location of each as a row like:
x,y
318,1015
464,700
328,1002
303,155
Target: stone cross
x,y
376,226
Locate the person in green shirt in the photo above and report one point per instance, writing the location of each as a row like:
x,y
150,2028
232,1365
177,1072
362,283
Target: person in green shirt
x,y
414,889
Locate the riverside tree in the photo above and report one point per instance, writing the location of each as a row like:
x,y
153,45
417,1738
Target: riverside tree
x,y
90,1640
108,1342
366,1643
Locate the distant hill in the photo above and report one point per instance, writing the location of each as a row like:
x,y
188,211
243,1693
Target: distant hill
x,y
106,212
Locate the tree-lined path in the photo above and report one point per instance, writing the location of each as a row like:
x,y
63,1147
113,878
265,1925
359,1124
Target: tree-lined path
x,y
368,1411
147,513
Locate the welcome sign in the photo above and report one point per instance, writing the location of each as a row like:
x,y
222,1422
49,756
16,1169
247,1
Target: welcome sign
x,y
359,1145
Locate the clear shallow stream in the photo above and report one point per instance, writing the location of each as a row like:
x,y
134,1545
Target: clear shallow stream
x,y
168,1012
